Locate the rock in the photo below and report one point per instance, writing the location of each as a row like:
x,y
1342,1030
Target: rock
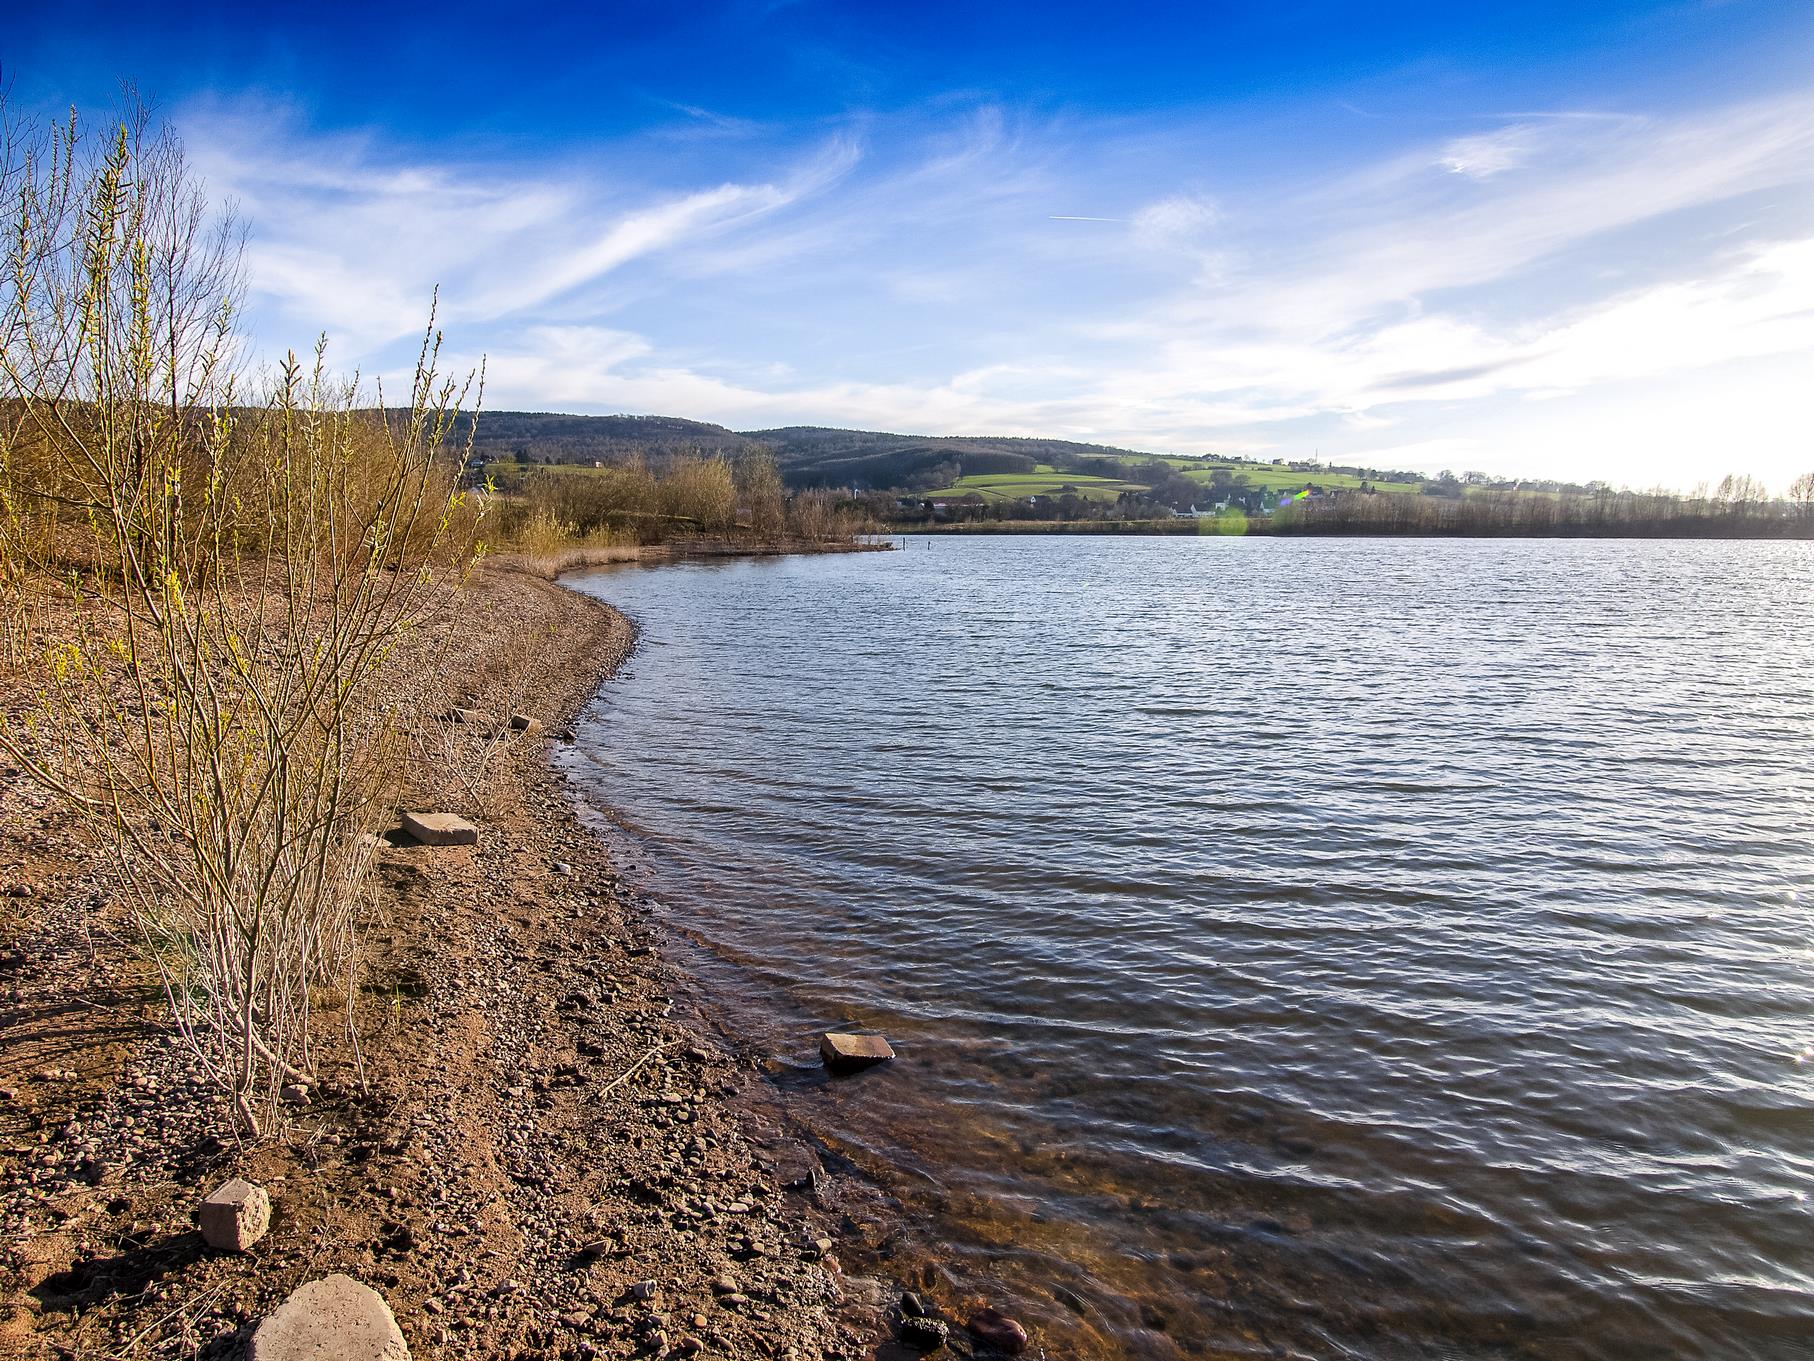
x,y
524,724
471,718
912,1306
296,1093
642,1290
440,829
846,1053
996,1330
923,1334
235,1216
333,1319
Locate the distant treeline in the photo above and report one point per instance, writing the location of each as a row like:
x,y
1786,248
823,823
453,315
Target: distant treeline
x,y
633,503
1738,510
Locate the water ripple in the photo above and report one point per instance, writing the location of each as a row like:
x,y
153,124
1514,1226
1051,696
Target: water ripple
x,y
1343,949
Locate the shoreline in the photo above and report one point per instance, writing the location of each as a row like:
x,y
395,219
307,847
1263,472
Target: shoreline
x,y
546,1159
1260,528
551,567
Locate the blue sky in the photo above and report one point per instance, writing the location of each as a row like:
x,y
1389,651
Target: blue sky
x,y
1540,239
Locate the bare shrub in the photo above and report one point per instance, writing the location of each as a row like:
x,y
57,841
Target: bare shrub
x,y
239,567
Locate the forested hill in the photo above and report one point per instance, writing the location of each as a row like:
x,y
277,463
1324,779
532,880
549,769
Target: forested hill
x,y
812,455
809,456
549,437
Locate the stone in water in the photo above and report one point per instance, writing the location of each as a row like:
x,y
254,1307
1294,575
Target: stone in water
x,y
997,1331
844,1053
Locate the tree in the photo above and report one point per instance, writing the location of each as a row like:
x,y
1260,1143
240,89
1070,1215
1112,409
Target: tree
x,y
1801,492
1740,493
759,489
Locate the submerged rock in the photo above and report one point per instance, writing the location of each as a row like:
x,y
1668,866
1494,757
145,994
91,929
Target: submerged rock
x,y
333,1319
845,1053
235,1216
997,1331
923,1334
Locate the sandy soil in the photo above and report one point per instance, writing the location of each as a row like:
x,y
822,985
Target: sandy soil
x,y
545,1159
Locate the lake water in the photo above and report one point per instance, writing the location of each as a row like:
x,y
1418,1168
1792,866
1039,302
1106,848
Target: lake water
x,y
1323,948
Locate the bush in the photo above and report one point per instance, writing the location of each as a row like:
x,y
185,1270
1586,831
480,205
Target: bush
x,y
237,570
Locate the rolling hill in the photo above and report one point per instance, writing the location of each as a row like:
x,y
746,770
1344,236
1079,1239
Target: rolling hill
x,y
995,466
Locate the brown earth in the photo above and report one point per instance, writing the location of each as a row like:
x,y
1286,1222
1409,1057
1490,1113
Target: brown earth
x,y
543,1159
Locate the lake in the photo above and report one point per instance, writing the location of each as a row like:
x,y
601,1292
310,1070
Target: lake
x,y
1294,948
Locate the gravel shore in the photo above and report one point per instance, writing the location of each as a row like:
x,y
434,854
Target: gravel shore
x,y
544,1158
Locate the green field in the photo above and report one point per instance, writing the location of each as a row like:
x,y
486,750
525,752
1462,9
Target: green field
x,y
1266,477
1044,481
1019,486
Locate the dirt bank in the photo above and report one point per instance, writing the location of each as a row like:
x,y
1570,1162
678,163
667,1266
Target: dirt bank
x,y
544,1158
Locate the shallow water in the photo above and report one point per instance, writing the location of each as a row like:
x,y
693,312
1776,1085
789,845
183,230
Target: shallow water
x,y
1333,948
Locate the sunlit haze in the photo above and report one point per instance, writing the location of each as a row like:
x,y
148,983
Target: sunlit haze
x,y
1533,239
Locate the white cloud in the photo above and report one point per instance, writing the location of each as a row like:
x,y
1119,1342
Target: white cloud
x,y
1492,153
1454,301
1179,219
350,236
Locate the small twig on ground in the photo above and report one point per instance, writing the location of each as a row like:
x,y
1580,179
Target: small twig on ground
x,y
627,1073
159,1322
